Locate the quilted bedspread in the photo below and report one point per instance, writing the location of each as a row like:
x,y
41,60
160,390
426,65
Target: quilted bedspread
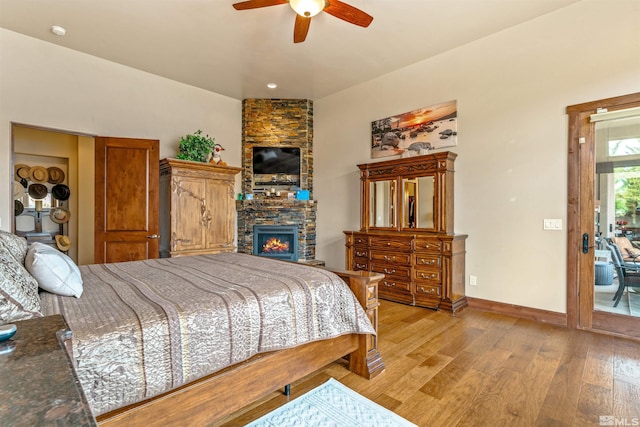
x,y
144,327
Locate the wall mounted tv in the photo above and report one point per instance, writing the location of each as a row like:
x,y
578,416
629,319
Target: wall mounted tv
x,y
276,161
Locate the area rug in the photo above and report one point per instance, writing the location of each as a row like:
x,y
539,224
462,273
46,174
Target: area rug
x,y
331,404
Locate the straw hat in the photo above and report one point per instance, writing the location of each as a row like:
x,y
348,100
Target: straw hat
x,y
63,242
56,175
18,190
21,171
38,174
38,191
59,215
60,192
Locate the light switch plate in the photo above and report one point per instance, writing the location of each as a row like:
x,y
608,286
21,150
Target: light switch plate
x,y
552,224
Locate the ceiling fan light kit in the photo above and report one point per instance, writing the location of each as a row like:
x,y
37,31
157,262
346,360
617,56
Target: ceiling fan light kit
x,y
306,9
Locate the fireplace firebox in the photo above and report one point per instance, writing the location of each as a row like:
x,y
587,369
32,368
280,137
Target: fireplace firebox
x,y
276,241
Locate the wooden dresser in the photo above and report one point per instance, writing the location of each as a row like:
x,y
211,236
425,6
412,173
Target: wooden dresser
x,y
197,208
406,232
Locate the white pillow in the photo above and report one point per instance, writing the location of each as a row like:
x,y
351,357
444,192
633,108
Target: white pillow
x,y
54,271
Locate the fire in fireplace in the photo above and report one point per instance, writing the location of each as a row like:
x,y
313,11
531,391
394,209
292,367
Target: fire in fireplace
x,y
276,241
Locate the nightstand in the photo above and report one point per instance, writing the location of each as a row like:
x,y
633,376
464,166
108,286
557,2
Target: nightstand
x,y
39,385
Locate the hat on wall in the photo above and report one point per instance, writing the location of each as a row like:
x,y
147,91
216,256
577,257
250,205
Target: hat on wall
x,y
18,190
59,215
56,175
63,242
18,207
21,171
38,191
61,192
38,174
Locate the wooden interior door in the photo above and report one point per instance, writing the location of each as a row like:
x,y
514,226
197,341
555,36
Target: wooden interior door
x,y
127,175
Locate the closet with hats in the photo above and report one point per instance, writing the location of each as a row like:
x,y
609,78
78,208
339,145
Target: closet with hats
x,y
46,188
41,198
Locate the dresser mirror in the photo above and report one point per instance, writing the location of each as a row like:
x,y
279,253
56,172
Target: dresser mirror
x,y
382,203
418,202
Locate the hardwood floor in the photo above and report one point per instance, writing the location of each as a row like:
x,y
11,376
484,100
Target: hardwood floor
x,y
485,369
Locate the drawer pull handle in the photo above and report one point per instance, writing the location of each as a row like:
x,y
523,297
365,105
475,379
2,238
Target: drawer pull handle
x,y
427,262
389,285
389,271
428,291
361,253
361,265
428,276
388,243
389,258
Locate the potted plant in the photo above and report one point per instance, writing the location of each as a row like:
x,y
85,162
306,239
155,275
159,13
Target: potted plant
x,y
195,147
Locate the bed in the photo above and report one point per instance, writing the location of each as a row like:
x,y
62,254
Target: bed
x,y
148,352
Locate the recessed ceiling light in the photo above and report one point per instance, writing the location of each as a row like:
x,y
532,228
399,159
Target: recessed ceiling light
x,y
272,85
58,30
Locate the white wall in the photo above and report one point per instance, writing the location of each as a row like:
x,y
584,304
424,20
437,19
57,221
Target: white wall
x,y
45,85
512,89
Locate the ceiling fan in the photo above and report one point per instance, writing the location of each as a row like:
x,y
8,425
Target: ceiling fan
x,y
306,9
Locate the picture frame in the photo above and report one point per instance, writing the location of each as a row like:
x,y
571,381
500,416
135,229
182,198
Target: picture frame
x,y
416,132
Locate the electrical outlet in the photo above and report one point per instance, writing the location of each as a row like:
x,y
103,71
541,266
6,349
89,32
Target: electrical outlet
x,y
473,280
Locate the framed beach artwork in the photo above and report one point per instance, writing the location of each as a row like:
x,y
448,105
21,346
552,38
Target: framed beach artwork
x,y
416,132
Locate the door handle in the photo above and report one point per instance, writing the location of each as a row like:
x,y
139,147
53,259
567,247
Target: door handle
x,y
585,243
153,236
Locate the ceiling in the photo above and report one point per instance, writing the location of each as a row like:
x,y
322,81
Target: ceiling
x,y
209,44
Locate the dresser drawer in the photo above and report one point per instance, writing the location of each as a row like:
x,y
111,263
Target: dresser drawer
x,y
360,239
394,244
391,257
360,252
428,290
360,264
427,260
392,283
430,277
392,270
428,245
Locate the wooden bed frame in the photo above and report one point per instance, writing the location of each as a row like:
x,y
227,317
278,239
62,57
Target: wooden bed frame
x,y
218,395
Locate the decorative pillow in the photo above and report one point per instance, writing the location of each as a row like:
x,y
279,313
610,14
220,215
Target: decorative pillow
x,y
18,290
16,245
54,271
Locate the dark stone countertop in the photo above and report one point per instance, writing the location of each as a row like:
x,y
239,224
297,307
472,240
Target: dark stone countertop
x,y
38,386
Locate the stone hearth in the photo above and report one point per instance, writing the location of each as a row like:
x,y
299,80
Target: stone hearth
x,y
278,212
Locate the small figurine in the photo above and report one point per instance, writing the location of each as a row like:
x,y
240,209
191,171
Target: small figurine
x,y
216,159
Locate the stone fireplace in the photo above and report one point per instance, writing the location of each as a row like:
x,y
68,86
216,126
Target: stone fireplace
x,y
285,124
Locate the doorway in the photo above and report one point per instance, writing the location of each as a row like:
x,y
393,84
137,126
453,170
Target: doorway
x,y
37,146
600,167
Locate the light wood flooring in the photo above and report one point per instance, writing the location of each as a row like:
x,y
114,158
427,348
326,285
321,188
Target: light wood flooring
x,y
484,369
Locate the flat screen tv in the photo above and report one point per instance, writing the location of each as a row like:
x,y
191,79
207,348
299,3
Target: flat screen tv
x,y
276,160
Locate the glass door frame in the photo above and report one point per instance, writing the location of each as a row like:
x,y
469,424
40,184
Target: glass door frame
x,y
580,222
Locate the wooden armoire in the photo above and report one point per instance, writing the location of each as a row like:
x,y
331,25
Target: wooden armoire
x,y
406,231
197,208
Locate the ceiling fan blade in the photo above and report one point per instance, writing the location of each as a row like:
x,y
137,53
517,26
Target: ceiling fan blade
x,y
254,4
301,28
348,13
